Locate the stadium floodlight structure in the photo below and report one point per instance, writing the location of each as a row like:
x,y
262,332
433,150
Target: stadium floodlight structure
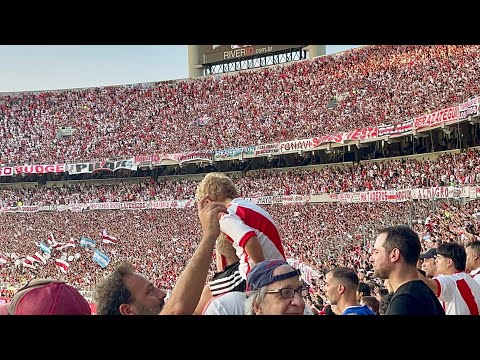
x,y
205,60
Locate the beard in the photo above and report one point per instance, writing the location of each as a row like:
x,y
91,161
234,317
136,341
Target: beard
x,y
383,271
148,310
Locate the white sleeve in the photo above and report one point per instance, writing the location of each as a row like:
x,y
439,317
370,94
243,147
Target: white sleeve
x,y
447,287
213,309
232,226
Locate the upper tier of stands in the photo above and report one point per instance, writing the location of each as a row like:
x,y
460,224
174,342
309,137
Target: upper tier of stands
x,y
371,85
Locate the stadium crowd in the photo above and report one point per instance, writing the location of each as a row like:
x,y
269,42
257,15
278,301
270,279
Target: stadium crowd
x,y
363,87
446,170
159,247
326,95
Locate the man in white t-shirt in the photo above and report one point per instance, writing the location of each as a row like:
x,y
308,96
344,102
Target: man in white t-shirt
x,y
231,303
227,278
458,292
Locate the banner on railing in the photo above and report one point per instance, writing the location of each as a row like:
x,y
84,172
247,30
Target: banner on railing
x,y
266,149
436,118
108,165
439,192
172,204
469,107
297,145
20,209
396,129
234,152
136,205
32,169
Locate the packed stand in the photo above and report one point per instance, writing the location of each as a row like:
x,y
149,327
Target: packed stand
x,y
160,247
368,86
446,170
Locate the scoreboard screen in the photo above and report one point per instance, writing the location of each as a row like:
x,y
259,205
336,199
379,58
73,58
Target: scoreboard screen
x,y
217,53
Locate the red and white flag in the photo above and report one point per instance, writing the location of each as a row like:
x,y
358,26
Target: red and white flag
x,y
61,246
62,265
51,240
38,257
28,263
108,239
32,260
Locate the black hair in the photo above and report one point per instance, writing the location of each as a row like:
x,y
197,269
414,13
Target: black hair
x,y
475,246
346,276
405,240
364,289
454,251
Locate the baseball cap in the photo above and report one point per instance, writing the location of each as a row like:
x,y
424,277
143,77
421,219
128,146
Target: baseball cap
x,y
262,274
428,254
46,297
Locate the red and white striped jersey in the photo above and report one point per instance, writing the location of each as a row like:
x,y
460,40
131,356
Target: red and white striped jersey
x,y
244,220
459,294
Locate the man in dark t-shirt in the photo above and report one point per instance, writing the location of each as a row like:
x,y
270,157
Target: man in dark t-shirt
x,y
394,257
413,298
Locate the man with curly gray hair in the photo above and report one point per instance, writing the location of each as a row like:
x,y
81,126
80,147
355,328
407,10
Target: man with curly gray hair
x,y
126,292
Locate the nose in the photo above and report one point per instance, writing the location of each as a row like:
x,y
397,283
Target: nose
x,y
298,300
160,294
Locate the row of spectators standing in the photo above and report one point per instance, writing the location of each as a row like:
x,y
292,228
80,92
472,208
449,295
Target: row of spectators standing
x,y
320,235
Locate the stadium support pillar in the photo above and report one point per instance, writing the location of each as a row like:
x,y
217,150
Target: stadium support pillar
x,y
356,151
194,68
316,50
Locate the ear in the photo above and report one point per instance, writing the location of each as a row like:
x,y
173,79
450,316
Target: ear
x,y
257,308
394,255
126,309
341,288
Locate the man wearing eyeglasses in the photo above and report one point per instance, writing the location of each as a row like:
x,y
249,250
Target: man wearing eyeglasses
x,y
275,288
